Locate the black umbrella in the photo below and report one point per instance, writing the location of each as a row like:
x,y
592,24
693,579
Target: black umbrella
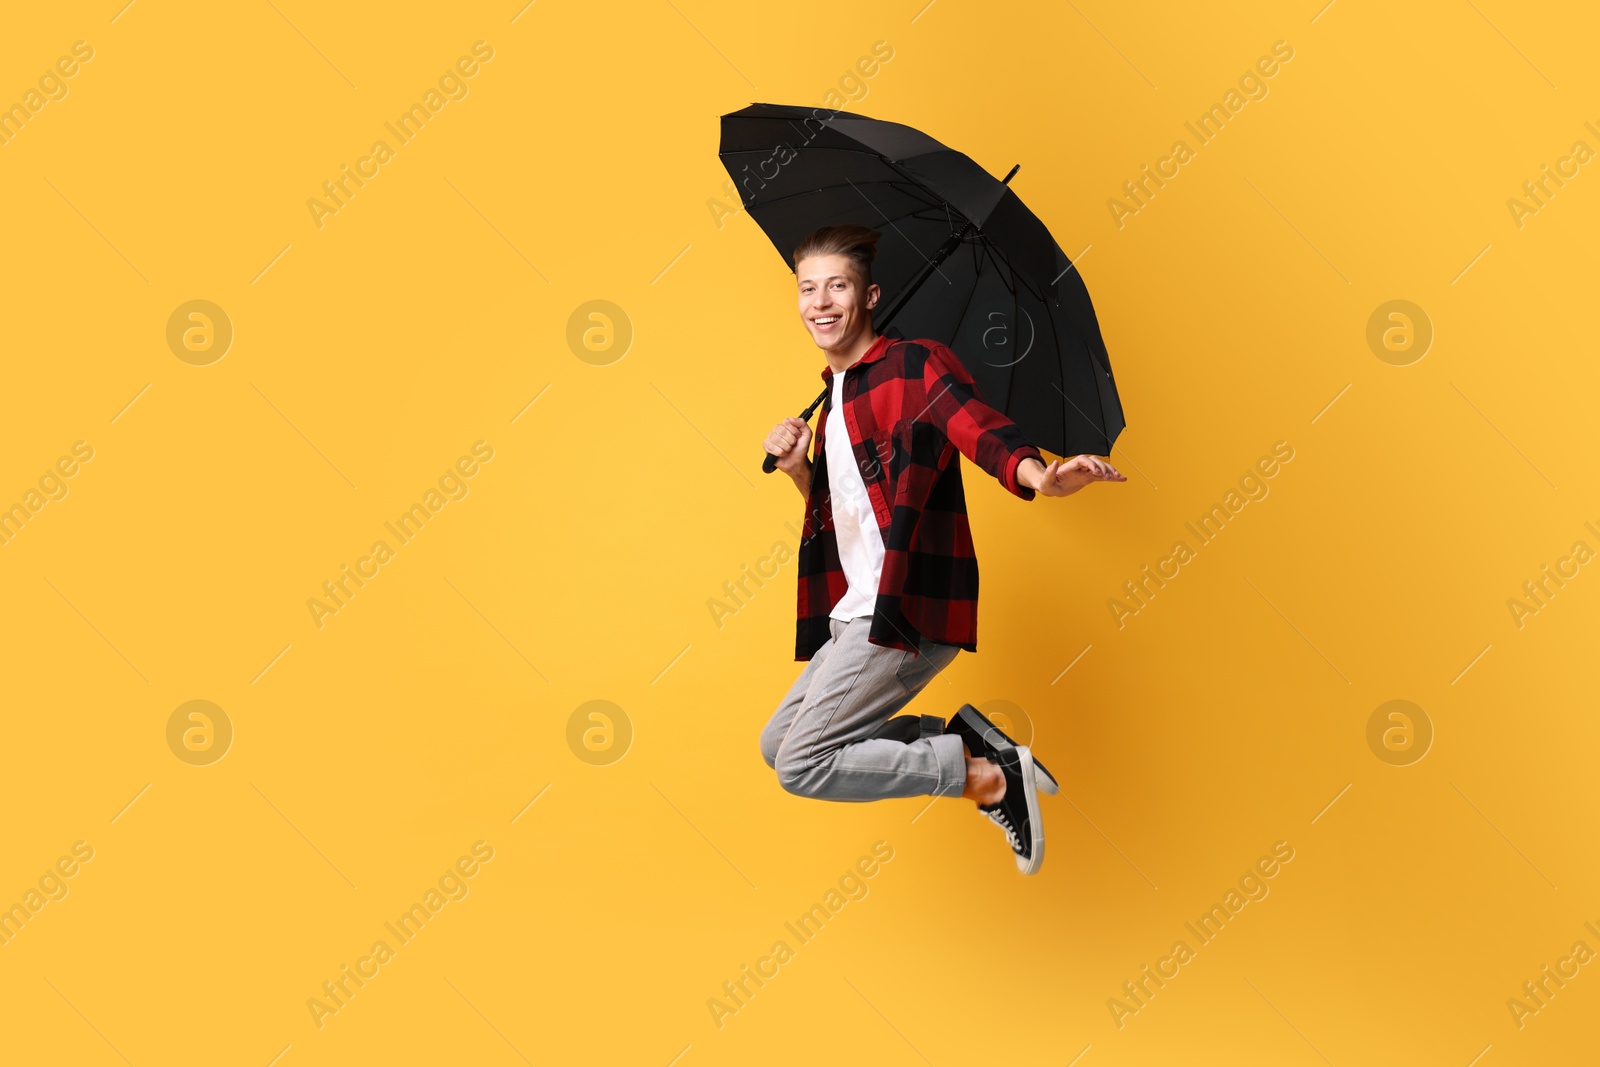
x,y
961,260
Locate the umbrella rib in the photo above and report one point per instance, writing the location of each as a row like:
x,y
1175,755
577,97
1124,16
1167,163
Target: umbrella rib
x,y
1061,369
1016,275
901,232
813,192
983,255
905,184
917,213
1097,427
977,279
1011,372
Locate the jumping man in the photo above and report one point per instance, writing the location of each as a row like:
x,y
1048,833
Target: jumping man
x,y
888,577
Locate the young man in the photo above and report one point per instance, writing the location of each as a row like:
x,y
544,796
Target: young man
x,y
888,579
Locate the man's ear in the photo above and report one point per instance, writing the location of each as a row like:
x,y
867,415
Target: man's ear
x,y
873,293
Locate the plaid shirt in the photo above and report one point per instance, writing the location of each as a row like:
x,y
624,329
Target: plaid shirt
x,y
910,406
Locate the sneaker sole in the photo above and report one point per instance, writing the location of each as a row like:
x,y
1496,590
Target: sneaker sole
x,y
1047,783
1030,785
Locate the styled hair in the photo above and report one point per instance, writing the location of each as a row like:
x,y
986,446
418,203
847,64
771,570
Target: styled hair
x,y
858,243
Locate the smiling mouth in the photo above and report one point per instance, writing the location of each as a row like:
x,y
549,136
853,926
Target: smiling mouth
x,y
825,321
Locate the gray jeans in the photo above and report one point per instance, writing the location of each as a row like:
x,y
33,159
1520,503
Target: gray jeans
x,y
826,739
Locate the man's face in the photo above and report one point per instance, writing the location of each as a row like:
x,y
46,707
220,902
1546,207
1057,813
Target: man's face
x,y
834,306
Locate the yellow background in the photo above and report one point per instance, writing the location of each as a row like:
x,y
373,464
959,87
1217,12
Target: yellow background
x,y
370,353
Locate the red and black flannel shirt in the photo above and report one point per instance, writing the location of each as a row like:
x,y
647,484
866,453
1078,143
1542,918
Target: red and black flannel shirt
x,y
910,406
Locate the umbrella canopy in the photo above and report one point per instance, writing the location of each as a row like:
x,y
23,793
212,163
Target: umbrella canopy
x,y
961,259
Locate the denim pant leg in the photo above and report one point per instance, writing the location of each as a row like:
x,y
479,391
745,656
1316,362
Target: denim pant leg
x,y
820,739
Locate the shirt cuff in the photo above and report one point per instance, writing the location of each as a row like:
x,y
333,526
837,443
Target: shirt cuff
x,y
1010,479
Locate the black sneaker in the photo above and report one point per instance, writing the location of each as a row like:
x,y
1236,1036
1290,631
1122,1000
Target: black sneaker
x,y
1017,813
984,740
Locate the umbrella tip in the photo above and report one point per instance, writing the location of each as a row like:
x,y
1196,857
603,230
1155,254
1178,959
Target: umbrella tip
x,y
1007,179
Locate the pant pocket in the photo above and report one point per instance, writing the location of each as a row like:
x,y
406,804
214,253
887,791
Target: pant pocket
x,y
917,671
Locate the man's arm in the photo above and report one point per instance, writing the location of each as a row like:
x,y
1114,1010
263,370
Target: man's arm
x,y
992,441
789,441
802,479
985,436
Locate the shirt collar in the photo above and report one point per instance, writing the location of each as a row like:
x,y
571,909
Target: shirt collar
x,y
879,347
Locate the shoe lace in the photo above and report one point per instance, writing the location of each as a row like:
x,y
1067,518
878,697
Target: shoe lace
x,y
1002,820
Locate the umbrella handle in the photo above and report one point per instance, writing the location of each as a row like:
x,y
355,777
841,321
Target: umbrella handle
x,y
770,463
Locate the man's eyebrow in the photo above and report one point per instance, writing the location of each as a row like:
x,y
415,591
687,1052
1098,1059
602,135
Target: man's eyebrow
x,y
829,278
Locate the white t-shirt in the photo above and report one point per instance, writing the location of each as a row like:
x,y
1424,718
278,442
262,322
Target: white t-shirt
x,y
855,524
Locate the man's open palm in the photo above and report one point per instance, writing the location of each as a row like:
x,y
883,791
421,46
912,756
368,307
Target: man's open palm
x,y
1063,478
